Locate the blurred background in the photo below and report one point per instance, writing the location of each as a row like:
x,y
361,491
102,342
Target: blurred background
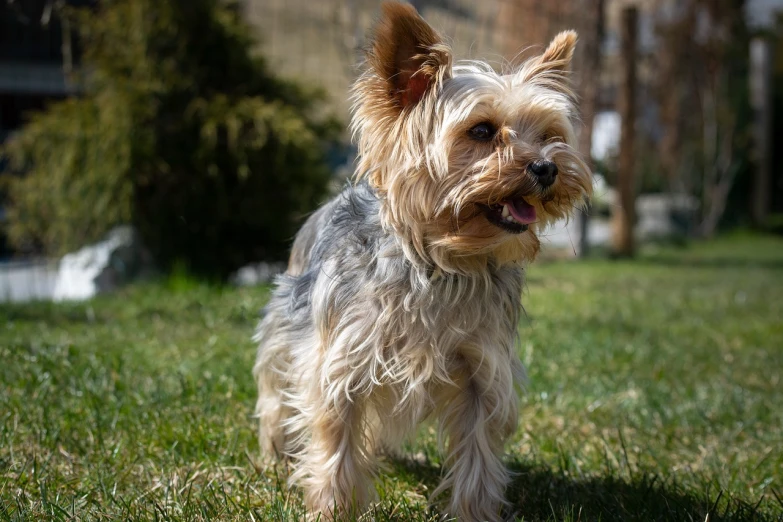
x,y
152,136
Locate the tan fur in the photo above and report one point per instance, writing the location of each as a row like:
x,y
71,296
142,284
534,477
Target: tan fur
x,y
402,297
403,54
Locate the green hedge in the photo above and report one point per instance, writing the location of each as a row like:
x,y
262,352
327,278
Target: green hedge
x,y
182,132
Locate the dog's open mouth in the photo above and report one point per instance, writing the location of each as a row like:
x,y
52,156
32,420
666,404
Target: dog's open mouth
x,y
513,215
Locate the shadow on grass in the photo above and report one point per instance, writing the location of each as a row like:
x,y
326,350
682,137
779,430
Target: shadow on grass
x,y
540,493
543,494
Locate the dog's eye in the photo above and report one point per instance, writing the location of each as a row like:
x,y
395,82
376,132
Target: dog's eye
x,y
549,138
482,132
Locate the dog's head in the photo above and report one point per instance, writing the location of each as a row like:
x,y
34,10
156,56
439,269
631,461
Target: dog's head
x,y
469,163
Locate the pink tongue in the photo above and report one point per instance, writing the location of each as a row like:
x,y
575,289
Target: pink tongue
x,y
522,211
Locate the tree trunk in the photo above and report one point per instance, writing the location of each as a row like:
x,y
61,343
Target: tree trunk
x,y
589,80
624,214
761,102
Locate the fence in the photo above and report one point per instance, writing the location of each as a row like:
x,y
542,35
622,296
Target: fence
x,y
27,280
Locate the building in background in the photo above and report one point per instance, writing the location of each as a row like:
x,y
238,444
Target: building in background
x,y
37,53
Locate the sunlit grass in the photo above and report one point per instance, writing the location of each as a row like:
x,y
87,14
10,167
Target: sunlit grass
x,y
655,393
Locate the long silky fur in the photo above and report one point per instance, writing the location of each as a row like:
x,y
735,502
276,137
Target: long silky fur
x,y
401,300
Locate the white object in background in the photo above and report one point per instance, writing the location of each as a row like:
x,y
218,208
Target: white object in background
x,y
606,134
90,270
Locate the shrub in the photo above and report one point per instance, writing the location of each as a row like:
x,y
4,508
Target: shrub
x,y
182,131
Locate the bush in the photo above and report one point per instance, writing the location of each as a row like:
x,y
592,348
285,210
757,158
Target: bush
x,y
182,132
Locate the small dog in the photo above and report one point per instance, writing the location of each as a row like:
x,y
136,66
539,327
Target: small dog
x,y
402,296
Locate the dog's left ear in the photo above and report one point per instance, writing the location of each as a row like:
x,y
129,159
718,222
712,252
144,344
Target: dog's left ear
x,y
558,55
555,62
408,54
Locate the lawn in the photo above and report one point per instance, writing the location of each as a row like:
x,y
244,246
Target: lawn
x,y
655,393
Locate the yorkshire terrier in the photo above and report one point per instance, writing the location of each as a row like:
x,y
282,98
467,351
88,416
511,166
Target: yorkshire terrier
x,y
402,296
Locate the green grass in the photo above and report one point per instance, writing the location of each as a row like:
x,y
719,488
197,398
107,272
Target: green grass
x,y
655,393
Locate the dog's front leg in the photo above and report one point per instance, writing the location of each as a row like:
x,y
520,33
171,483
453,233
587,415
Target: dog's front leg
x,y
478,413
335,462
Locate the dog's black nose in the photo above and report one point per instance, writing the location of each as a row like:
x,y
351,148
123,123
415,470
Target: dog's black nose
x,y
544,170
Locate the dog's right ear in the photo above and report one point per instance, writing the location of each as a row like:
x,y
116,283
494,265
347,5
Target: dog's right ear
x,y
407,54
